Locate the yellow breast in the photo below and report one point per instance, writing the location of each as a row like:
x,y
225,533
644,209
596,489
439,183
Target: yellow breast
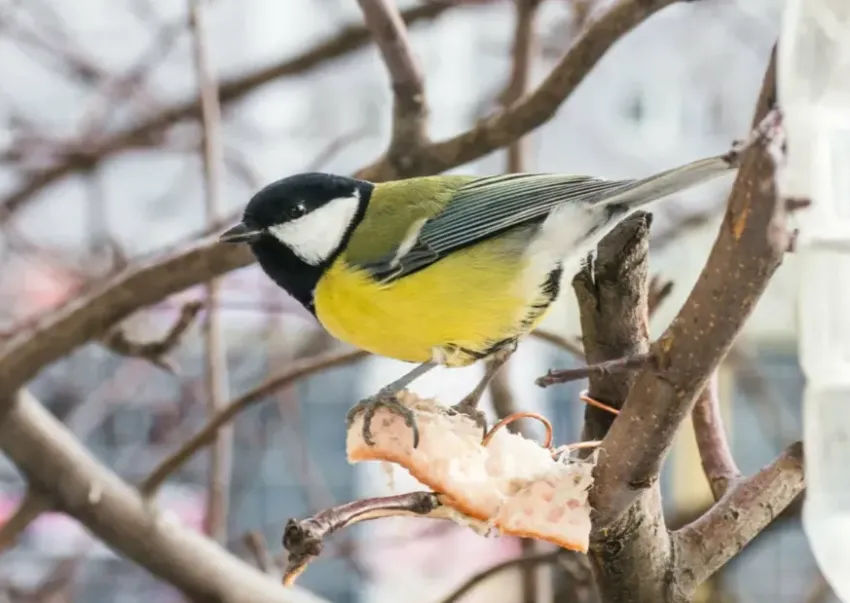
x,y
467,300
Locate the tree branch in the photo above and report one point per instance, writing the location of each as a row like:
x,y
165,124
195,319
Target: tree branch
x,y
630,558
304,539
297,370
55,462
736,273
410,110
524,562
709,542
31,506
348,40
155,351
215,353
716,456
533,110
607,367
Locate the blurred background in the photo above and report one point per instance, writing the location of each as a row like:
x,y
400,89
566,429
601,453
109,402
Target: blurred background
x,y
106,90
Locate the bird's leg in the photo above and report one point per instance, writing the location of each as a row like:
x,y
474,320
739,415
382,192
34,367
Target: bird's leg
x,y
469,405
386,398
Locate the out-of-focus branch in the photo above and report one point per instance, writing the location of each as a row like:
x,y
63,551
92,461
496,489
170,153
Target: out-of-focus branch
x,y
304,539
217,382
524,562
709,542
534,109
737,271
256,545
298,370
524,50
149,129
31,506
155,351
410,109
716,456
55,462
659,290
90,316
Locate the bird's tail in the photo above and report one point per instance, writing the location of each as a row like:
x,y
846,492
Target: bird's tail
x,y
639,192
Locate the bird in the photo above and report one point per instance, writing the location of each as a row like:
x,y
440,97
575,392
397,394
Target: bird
x,y
444,270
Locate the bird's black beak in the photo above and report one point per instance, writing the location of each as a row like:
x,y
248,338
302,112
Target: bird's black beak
x,y
239,234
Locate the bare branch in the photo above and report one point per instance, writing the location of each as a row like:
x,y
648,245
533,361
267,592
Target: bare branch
x,y
348,40
298,370
606,367
709,542
524,562
736,273
533,110
410,110
90,316
568,345
155,351
524,50
715,454
30,507
256,545
304,539
217,382
55,462
659,290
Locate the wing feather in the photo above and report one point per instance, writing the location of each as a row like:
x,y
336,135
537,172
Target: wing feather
x,y
486,207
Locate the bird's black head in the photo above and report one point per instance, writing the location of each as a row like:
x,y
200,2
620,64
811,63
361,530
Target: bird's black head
x,y
297,226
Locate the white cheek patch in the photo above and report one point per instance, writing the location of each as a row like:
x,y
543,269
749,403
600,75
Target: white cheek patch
x,y
315,236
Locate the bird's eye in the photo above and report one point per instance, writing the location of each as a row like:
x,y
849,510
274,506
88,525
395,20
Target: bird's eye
x,y
296,211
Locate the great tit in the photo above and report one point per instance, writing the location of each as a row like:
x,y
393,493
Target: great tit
x,y
439,270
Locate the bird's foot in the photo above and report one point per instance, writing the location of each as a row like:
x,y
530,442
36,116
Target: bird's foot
x,y
383,399
469,407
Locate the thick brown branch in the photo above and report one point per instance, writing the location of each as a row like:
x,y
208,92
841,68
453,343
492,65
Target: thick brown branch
x,y
709,542
631,558
536,108
716,456
348,40
738,269
607,367
55,462
410,111
155,351
304,539
298,370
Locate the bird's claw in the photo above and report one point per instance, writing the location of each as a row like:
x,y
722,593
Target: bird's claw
x,y
469,407
370,406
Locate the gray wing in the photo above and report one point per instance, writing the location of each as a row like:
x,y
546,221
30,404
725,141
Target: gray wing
x,y
485,208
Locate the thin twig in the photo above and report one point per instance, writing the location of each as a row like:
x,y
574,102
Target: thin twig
x,y
716,456
155,351
346,41
303,539
659,290
298,370
256,545
525,561
410,110
608,367
217,382
31,506
574,347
